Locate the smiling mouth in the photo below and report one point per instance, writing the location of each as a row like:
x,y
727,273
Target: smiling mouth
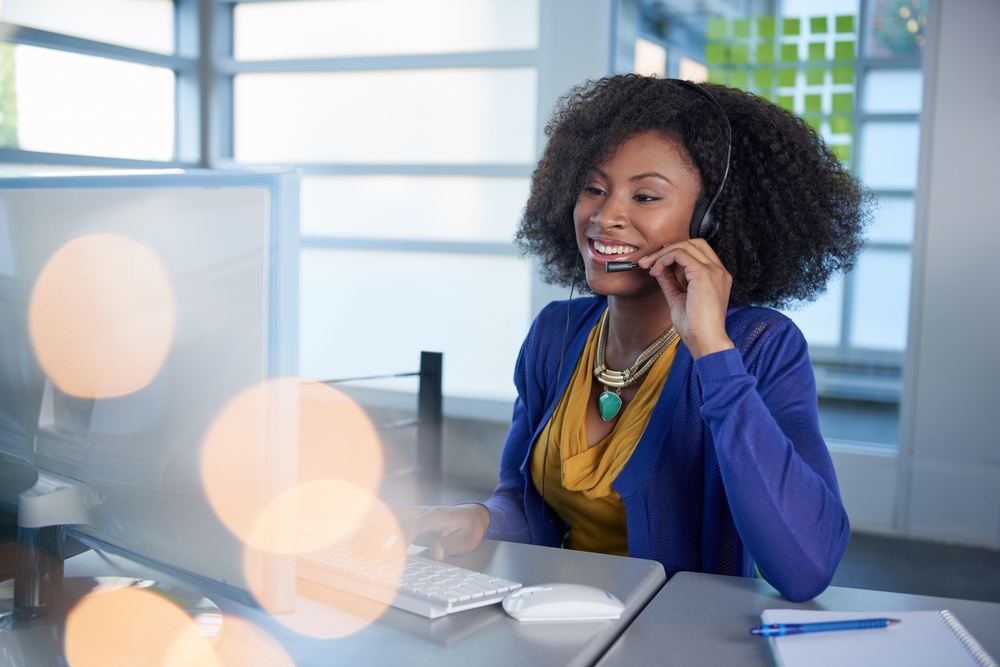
x,y
606,250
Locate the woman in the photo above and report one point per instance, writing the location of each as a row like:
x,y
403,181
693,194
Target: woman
x,y
704,451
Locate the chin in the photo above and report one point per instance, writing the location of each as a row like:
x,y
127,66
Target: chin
x,y
614,287
623,285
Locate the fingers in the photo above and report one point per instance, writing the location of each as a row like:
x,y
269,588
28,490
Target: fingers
x,y
697,250
448,531
688,261
685,254
455,544
432,520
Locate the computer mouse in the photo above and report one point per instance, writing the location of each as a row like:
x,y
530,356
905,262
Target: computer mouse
x,y
562,602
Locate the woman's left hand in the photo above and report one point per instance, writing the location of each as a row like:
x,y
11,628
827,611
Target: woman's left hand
x,y
696,286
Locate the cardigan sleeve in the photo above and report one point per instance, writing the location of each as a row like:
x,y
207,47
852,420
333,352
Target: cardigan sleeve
x,y
508,520
775,467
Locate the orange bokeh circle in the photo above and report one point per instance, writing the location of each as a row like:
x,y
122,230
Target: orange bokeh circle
x,y
322,512
245,644
270,442
135,627
102,316
323,609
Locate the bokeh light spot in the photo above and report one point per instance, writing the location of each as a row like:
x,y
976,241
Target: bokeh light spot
x,y
325,610
287,449
134,627
324,512
102,316
245,644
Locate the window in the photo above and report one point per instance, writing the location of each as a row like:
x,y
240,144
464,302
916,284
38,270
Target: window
x,y
101,83
416,148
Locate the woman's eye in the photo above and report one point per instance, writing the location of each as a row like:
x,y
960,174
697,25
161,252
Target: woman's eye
x,y
592,190
646,198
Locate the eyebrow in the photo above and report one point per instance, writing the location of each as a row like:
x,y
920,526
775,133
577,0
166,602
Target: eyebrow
x,y
639,177
651,174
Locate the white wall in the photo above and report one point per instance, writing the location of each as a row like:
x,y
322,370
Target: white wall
x,y
949,464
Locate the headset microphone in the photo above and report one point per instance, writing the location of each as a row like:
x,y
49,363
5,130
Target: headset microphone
x,y
616,267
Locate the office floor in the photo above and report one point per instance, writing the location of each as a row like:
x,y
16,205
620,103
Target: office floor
x,y
922,568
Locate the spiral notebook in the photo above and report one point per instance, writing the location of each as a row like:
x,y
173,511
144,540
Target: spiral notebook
x,y
929,638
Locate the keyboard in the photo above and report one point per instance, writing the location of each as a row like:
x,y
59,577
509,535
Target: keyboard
x,y
428,587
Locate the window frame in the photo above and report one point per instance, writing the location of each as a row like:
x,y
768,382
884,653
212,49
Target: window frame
x,y
227,68
188,89
845,370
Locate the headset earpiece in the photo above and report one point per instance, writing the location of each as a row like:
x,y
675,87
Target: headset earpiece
x,y
702,222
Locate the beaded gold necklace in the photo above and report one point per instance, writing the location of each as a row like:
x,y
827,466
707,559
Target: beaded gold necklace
x,y
609,403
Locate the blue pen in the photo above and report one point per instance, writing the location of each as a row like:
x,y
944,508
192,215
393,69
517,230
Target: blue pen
x,y
782,629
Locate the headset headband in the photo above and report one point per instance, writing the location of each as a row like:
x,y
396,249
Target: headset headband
x,y
704,226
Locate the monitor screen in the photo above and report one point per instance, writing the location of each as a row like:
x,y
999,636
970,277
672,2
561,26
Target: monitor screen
x,y
133,310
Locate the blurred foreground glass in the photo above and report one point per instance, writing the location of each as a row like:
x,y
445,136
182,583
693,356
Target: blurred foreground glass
x,y
881,300
85,105
139,24
344,28
454,208
368,313
395,116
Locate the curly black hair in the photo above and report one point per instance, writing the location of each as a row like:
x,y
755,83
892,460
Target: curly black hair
x,y
790,215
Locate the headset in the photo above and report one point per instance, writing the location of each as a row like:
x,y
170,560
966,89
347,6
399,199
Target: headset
x,y
703,226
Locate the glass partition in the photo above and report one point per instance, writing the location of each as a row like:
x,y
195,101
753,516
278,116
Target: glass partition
x,y
367,313
443,208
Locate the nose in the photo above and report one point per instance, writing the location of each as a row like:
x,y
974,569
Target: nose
x,y
613,213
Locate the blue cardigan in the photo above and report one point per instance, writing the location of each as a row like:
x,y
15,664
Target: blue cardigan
x,y
731,471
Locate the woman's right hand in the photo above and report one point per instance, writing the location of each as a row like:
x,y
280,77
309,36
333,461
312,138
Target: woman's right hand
x,y
448,531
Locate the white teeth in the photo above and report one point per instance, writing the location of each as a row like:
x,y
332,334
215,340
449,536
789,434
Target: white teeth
x,y
612,250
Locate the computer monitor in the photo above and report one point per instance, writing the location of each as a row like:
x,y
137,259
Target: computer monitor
x,y
226,247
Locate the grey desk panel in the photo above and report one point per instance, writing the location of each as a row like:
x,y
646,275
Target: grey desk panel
x,y
482,637
704,619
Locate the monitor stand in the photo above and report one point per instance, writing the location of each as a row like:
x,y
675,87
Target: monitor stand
x,y
34,610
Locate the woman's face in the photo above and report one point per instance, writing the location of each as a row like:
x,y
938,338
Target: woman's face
x,y
631,205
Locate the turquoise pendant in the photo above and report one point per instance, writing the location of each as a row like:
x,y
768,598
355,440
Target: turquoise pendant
x,y
609,404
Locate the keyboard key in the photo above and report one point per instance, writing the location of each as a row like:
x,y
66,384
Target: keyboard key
x,y
427,587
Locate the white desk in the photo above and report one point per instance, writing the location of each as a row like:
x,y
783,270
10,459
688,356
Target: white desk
x,y
704,619
482,637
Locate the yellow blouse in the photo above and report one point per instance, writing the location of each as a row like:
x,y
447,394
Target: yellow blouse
x,y
578,478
